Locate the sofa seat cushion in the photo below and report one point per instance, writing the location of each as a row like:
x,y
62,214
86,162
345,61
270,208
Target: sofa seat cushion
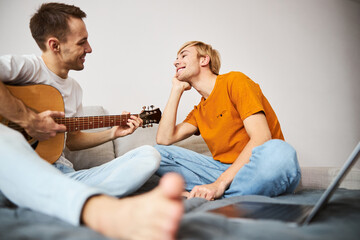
x,y
87,158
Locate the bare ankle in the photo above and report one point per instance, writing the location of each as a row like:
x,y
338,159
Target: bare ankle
x,y
91,216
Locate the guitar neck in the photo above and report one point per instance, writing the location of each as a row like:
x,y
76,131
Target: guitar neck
x,y
83,123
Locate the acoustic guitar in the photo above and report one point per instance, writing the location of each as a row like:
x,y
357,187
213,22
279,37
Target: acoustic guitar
x,y
44,97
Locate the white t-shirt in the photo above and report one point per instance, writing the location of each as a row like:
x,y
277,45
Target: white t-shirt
x,y
31,69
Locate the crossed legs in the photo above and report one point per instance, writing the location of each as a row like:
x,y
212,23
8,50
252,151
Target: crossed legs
x,y
273,169
121,176
29,181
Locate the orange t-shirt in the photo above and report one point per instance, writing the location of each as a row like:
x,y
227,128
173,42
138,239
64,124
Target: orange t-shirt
x,y
220,117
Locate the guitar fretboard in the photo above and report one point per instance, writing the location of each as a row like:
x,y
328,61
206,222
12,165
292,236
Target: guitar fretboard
x,y
90,122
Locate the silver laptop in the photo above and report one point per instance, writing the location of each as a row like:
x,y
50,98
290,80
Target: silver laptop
x,y
290,213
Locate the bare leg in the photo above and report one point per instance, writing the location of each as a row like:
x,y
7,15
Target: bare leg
x,y
153,215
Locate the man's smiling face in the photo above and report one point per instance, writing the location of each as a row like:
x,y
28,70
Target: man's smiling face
x,y
187,64
76,46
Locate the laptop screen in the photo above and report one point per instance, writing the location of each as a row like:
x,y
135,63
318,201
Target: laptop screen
x,y
335,183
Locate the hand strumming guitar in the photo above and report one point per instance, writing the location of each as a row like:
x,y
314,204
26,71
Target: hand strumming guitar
x,y
39,126
42,126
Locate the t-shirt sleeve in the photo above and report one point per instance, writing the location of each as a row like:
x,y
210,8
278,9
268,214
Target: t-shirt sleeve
x,y
17,69
191,118
246,96
79,95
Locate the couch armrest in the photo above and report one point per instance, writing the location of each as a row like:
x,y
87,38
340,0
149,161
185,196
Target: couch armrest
x,y
321,177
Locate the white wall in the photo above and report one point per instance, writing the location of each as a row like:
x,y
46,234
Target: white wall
x,y
304,54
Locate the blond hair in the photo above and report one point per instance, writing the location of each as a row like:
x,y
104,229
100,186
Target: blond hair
x,y
204,50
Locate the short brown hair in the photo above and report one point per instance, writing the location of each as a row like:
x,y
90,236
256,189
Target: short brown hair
x,y
203,50
51,20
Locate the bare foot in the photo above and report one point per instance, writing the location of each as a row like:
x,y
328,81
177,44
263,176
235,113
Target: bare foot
x,y
153,215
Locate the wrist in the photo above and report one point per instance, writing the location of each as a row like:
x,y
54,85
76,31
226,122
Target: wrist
x,y
176,93
222,184
112,132
28,119
177,89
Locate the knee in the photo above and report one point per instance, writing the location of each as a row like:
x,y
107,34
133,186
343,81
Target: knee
x,y
288,155
11,138
280,152
148,150
276,155
160,148
164,150
277,167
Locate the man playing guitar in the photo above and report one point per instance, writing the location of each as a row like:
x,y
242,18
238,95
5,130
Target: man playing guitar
x,y
76,196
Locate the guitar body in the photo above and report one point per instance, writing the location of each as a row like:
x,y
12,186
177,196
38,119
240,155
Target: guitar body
x,y
41,98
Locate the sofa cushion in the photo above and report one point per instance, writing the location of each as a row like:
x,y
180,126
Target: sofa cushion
x,y
147,136
142,136
87,158
321,177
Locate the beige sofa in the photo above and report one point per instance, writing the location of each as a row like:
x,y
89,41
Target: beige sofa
x,y
312,177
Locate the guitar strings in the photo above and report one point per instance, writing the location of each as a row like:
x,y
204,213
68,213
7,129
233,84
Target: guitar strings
x,y
73,123
94,119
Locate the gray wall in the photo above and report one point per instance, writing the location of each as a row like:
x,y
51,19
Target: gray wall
x,y
304,54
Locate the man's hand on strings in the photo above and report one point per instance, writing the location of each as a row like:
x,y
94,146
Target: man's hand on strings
x,y
132,124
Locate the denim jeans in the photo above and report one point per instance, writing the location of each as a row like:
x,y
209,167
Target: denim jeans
x,y
121,176
29,181
273,169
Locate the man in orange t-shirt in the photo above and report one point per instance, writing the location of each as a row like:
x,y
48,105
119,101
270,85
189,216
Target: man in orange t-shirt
x,y
238,124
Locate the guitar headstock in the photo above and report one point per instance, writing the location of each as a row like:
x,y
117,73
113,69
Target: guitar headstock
x,y
150,117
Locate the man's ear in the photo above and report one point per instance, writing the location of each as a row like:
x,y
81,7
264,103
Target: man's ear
x,y
53,44
204,60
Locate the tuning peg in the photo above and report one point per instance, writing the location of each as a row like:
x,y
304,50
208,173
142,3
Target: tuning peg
x,y
144,107
152,107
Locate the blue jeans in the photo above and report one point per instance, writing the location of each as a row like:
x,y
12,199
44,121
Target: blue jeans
x,y
29,181
273,169
121,176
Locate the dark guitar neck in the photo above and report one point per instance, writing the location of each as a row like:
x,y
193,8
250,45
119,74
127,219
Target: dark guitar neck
x,y
91,122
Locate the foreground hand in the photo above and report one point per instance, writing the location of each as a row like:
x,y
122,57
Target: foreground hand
x,y
132,124
42,126
208,191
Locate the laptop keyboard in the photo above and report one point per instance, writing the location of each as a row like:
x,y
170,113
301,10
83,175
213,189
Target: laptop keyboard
x,y
284,212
